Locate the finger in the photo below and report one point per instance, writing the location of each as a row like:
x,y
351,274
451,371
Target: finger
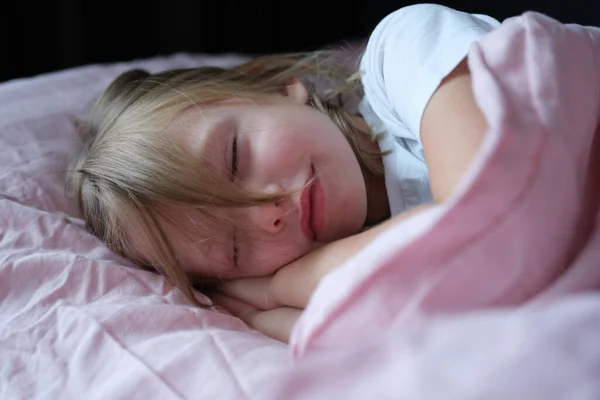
x,y
254,291
294,284
235,307
276,323
291,285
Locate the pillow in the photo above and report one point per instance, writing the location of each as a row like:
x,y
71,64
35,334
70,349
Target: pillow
x,y
78,320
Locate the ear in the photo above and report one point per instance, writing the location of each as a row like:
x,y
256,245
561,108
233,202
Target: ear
x,y
295,90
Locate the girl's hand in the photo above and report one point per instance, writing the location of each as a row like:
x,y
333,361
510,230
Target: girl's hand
x,y
272,304
276,322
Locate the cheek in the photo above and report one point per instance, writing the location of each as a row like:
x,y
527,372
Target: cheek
x,y
278,156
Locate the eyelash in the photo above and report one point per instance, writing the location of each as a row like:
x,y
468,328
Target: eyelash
x,y
235,252
234,161
234,158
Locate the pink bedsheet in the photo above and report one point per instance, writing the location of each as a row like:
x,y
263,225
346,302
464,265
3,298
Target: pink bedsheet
x,y
493,296
77,321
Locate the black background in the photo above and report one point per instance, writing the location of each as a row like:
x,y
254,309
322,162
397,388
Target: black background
x,y
47,36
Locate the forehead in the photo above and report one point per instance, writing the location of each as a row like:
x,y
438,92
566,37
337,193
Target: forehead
x,y
201,131
189,128
197,119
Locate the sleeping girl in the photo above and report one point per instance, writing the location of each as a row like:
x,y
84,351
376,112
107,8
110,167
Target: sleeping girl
x,y
262,180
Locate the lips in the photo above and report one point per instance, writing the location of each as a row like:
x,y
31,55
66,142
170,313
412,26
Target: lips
x,y
312,217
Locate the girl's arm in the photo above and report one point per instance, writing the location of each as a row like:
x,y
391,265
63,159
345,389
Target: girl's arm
x,y
452,128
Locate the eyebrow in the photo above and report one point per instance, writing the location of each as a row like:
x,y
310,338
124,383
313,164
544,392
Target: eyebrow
x,y
216,126
214,136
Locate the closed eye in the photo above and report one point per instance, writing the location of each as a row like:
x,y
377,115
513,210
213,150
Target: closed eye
x,y
234,159
235,251
233,174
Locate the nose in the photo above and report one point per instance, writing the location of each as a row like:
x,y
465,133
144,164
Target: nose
x,y
269,217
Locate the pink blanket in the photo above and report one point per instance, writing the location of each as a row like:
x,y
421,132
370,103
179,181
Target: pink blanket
x,y
492,296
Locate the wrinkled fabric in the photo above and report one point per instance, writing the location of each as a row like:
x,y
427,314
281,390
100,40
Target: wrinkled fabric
x,y
493,296
76,320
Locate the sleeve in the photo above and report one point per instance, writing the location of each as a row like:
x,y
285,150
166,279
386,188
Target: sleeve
x,y
409,53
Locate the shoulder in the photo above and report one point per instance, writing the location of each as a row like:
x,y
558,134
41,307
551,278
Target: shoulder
x,y
420,26
409,53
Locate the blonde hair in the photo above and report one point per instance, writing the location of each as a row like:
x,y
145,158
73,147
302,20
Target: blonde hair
x,y
129,168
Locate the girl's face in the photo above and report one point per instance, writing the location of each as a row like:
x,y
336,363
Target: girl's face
x,y
269,148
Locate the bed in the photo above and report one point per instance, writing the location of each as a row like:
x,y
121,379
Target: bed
x,y
494,295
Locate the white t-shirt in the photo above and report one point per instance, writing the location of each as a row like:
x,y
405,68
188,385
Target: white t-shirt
x,y
407,56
